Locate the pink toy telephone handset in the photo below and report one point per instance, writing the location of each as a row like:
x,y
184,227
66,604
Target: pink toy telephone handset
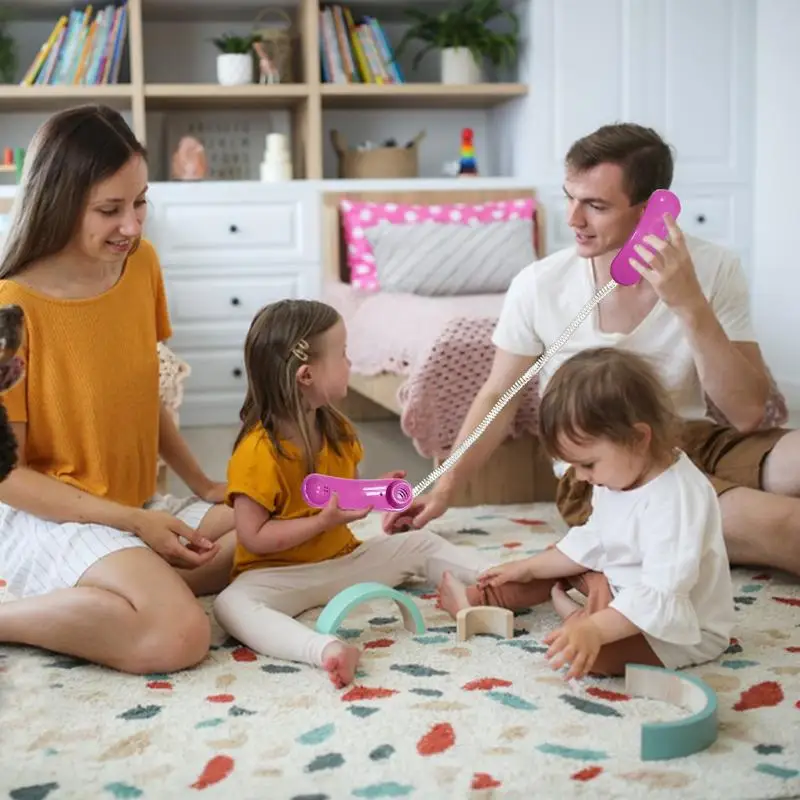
x,y
391,494
652,223
382,494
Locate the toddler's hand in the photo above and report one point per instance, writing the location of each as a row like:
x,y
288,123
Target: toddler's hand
x,y
576,644
332,515
513,572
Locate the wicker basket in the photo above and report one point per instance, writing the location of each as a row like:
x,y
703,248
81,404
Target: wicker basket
x,y
380,162
278,41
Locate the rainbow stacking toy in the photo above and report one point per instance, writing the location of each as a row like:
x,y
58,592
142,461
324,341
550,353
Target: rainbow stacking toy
x,y
467,165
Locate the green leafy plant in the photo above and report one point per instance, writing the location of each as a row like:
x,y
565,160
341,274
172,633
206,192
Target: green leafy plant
x,y
464,26
229,43
8,52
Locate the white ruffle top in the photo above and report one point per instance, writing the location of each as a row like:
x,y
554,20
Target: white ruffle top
x,y
661,548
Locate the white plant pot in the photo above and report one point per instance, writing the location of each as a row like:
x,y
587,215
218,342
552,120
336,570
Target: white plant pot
x,y
234,69
458,66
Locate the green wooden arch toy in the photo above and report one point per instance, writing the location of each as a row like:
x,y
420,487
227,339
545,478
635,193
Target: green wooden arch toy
x,y
680,737
338,607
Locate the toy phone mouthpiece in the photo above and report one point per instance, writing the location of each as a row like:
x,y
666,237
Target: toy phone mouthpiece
x,y
651,223
382,494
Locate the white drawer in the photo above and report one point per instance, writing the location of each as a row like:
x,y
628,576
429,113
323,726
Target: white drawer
x,y
216,371
235,299
197,233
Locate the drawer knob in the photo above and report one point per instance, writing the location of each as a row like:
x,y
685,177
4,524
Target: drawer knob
x,y
237,372
233,229
701,218
234,301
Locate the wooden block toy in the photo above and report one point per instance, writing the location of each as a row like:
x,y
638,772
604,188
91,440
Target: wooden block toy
x,y
338,607
484,619
676,738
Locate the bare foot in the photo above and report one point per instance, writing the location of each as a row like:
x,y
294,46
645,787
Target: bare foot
x,y
452,595
340,660
564,605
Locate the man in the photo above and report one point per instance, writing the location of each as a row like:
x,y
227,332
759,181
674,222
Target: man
x,y
690,314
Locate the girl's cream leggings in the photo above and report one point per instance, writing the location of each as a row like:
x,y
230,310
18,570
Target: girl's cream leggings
x,y
259,607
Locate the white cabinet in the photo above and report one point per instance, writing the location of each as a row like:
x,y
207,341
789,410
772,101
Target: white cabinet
x,y
227,250
684,67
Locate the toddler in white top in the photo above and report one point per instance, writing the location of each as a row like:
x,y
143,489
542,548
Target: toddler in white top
x,y
655,532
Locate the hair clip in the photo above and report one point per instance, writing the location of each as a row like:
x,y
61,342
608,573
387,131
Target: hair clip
x,y
300,350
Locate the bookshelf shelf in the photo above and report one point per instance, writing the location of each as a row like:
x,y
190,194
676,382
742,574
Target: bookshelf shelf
x,y
161,84
160,96
419,95
47,98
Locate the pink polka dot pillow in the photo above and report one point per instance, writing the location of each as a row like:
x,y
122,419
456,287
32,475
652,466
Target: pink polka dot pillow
x,y
358,216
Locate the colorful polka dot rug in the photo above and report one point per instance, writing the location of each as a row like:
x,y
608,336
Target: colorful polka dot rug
x,y
427,717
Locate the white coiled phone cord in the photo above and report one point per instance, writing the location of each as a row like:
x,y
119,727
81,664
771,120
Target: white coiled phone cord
x,y
518,385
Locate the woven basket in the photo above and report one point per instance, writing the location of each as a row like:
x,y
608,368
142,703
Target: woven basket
x,y
278,41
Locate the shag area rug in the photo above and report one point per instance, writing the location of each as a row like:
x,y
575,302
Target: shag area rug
x,y
427,717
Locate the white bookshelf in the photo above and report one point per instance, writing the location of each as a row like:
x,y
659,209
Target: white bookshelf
x,y
168,79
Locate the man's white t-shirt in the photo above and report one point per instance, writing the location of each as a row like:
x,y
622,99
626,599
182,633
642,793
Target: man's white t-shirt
x,y
548,294
662,550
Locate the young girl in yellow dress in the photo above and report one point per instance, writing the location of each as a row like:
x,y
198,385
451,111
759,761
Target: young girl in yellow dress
x,y
291,557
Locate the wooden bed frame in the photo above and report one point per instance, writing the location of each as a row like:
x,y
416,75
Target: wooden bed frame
x,y
517,472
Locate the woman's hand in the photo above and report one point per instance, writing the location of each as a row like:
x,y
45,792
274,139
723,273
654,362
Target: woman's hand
x,y
514,572
211,491
332,515
576,644
164,534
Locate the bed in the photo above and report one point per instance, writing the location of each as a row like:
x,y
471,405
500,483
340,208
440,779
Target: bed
x,y
426,371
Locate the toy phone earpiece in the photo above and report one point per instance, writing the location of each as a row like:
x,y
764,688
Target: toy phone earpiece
x,y
661,202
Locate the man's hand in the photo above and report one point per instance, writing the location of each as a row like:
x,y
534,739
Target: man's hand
x,y
670,270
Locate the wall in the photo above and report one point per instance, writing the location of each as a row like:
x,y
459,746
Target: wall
x,y
776,278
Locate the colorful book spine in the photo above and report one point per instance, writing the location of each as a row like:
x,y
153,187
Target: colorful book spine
x,y
355,50
84,48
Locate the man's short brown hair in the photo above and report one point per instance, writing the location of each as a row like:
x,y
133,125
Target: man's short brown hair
x,y
646,159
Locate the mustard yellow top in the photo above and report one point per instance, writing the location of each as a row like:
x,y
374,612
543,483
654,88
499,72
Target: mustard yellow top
x,y
90,396
275,482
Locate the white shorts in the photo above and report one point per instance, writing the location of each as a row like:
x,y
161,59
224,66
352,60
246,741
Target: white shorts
x,y
38,556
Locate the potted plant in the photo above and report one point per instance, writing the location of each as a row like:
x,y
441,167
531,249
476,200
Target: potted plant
x,y
464,39
8,52
235,59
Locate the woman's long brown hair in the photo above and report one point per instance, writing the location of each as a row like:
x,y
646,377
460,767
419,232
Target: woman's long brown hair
x,y
70,153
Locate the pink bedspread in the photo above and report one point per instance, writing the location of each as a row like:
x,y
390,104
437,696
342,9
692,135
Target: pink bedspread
x,y
443,347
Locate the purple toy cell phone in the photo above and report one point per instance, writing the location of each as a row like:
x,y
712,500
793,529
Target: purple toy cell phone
x,y
652,223
382,494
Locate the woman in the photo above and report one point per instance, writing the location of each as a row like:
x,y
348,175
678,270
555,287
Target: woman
x,y
103,569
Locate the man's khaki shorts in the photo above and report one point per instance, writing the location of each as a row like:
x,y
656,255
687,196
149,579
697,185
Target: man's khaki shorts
x,y
729,459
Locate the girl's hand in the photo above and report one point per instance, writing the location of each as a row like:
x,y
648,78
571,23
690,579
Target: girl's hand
x,y
164,534
332,515
513,572
397,474
576,644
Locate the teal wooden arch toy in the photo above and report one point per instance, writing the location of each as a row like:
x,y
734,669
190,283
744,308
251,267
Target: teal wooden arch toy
x,y
338,607
680,737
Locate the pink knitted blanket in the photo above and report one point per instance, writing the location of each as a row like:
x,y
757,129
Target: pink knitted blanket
x,y
438,393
